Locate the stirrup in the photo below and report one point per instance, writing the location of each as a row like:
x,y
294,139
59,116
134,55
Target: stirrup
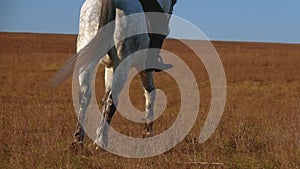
x,y
159,65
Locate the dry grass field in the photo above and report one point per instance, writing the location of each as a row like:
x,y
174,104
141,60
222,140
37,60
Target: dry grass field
x,y
260,127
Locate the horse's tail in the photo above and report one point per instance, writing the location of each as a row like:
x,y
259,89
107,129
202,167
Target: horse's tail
x,y
96,49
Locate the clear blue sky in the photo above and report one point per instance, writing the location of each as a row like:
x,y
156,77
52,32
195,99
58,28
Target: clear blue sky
x,y
238,20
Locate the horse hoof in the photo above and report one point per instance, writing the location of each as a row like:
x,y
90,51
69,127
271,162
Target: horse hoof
x,y
77,143
97,148
148,134
76,147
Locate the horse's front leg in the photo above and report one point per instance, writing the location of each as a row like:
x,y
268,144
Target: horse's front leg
x,y
149,93
84,100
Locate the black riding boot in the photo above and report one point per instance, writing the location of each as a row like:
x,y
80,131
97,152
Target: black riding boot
x,y
159,24
154,60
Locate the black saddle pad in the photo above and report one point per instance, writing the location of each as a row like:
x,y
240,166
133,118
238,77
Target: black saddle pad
x,y
151,6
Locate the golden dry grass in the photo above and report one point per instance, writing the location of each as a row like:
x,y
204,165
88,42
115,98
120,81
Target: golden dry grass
x,y
260,127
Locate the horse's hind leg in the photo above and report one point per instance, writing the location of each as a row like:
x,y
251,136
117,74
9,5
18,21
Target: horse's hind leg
x,y
109,106
149,93
108,110
84,100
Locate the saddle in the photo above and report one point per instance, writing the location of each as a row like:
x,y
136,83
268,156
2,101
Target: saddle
x,y
151,6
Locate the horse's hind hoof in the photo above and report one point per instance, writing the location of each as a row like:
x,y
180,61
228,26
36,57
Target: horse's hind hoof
x,y
76,147
77,143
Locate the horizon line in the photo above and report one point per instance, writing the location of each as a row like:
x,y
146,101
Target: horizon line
x,y
215,40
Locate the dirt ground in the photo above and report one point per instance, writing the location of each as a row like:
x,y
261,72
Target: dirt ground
x,y
260,127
